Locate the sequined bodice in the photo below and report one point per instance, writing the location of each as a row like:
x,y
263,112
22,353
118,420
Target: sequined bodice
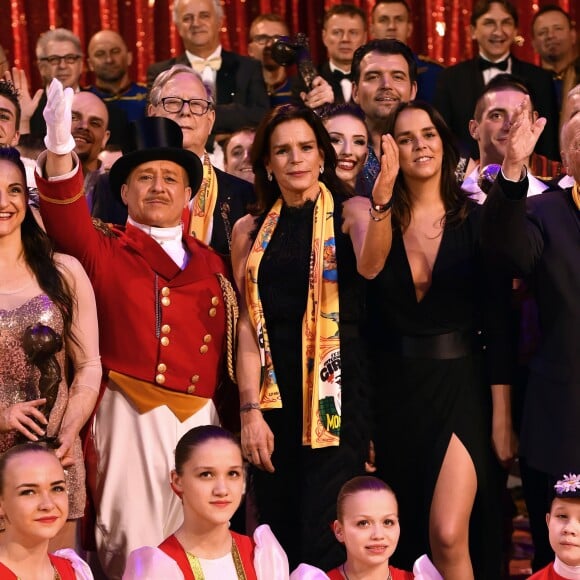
x,y
18,377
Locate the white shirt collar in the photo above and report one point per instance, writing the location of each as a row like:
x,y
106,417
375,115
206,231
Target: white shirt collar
x,y
194,58
333,67
160,235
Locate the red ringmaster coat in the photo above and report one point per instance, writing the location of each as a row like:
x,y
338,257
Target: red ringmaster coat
x,y
157,323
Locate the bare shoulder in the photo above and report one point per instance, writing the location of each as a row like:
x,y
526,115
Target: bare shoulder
x,y
70,267
241,244
244,226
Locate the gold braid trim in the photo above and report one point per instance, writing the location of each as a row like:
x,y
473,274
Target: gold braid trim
x,y
232,315
105,228
197,570
80,194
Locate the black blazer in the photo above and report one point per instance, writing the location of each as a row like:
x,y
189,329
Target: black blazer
x,y
459,86
241,98
234,196
539,239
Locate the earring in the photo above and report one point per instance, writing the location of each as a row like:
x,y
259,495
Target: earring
x,y
321,169
269,176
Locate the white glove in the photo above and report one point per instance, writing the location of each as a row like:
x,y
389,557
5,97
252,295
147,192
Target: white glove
x,y
58,117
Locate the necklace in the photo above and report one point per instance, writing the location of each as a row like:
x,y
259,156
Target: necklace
x,y
347,578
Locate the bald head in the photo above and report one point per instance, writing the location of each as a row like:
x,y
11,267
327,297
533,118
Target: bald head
x,y
570,143
90,121
109,59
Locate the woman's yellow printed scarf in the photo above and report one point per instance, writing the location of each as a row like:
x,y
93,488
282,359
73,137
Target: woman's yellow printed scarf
x,y
321,368
203,204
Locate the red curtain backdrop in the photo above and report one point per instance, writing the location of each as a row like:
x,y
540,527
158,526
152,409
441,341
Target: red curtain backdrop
x,y
441,27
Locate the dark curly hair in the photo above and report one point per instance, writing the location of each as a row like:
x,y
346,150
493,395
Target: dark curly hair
x,y
39,255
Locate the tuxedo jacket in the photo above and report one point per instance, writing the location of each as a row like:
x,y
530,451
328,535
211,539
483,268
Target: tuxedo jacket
x,y
539,239
328,76
234,196
459,86
241,97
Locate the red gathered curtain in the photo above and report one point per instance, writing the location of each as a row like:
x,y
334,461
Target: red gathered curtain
x,y
441,27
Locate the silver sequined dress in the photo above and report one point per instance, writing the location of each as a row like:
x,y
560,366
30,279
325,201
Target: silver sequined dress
x,y
19,382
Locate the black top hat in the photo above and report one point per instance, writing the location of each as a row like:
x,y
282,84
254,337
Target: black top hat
x,y
154,139
568,486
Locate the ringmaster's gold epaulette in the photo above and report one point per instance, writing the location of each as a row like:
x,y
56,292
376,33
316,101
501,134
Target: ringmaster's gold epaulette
x,y
232,315
430,60
105,228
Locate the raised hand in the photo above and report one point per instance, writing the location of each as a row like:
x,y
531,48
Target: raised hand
x,y
28,104
522,138
58,117
383,188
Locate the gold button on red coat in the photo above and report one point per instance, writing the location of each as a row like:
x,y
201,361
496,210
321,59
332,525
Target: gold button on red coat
x,y
164,341
215,300
165,291
161,368
207,338
166,329
203,348
195,378
165,301
191,389
212,312
160,379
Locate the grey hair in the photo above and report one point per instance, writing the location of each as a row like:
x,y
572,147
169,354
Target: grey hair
x,y
216,4
164,77
57,35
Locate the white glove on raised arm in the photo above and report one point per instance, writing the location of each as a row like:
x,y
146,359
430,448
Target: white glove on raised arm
x,y
58,117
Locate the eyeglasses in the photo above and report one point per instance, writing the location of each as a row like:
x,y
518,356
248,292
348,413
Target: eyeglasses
x,y
262,39
197,107
55,59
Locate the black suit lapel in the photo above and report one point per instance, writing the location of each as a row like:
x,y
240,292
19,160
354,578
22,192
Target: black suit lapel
x,y
226,78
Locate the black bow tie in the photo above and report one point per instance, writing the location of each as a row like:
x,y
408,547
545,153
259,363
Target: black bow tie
x,y
339,75
485,64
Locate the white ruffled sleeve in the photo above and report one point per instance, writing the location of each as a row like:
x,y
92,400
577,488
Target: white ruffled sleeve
x,y
81,568
308,572
270,560
149,563
423,569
